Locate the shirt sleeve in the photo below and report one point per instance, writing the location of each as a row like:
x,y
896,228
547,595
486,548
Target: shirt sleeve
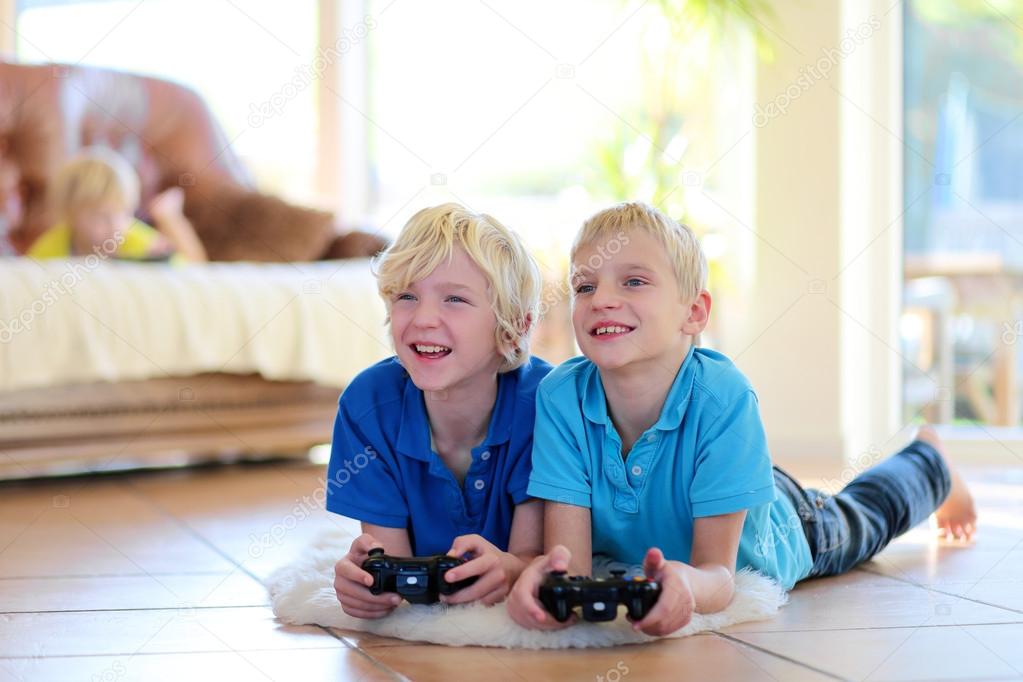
x,y
733,465
360,477
560,468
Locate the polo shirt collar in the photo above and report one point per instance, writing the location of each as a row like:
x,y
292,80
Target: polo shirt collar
x,y
414,430
594,402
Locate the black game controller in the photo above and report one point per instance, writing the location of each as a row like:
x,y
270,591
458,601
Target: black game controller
x,y
599,597
418,579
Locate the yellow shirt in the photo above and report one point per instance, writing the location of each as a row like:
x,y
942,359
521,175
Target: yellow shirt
x,y
139,241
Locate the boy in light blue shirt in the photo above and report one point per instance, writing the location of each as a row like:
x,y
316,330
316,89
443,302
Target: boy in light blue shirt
x,y
651,450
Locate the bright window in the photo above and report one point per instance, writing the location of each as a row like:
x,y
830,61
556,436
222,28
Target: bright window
x,y
259,60
964,211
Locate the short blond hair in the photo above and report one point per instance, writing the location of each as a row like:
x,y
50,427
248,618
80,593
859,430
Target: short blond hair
x,y
683,248
430,237
94,176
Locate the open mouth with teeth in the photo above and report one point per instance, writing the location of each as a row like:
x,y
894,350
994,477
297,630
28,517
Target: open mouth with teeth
x,y
610,330
431,352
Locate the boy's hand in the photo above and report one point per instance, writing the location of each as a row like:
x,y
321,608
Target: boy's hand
x,y
674,608
351,583
497,571
524,605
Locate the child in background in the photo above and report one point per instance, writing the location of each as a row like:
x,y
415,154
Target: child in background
x,y
95,197
431,447
651,450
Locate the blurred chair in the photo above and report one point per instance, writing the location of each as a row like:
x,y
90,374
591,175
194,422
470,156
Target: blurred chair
x,y
928,306
985,288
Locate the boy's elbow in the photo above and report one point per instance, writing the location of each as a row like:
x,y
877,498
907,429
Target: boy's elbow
x,y
721,583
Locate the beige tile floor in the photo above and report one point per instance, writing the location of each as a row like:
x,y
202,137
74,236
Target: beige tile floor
x,y
154,576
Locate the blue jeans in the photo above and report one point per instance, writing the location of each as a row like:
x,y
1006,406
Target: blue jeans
x,y
880,504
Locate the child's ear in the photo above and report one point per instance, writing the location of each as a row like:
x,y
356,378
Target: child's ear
x,y
699,314
527,324
524,326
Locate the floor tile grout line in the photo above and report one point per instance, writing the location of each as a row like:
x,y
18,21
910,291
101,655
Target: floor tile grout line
x,y
930,588
780,656
188,528
935,626
171,653
141,608
96,576
244,569
364,653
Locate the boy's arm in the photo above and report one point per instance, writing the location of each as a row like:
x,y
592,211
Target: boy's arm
x,y
526,540
394,540
566,532
705,585
569,525
169,218
711,565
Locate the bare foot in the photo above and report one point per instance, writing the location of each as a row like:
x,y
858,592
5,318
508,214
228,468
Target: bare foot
x,y
957,516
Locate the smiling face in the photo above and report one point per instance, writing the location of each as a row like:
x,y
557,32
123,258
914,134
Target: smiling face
x,y
443,328
628,311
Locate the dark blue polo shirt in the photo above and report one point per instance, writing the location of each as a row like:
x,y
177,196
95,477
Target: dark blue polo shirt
x,y
383,471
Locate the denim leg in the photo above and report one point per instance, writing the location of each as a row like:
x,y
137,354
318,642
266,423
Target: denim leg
x,y
876,507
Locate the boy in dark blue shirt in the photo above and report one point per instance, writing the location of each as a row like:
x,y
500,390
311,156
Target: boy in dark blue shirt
x,y
431,448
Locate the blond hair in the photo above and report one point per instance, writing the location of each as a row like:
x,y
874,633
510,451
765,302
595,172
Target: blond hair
x,y
612,225
96,175
513,278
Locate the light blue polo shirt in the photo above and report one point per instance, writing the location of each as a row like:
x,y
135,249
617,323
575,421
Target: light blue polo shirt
x,y
383,470
706,455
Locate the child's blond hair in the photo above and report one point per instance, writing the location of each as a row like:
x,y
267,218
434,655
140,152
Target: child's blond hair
x,y
96,175
611,226
430,237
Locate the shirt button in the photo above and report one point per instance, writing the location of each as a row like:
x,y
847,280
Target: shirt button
x,y
637,470
651,438
485,456
479,484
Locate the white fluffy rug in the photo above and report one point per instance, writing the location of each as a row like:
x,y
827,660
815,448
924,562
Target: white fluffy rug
x,y
302,593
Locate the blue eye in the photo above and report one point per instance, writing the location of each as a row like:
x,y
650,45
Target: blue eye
x,y
634,282
456,299
404,297
584,289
